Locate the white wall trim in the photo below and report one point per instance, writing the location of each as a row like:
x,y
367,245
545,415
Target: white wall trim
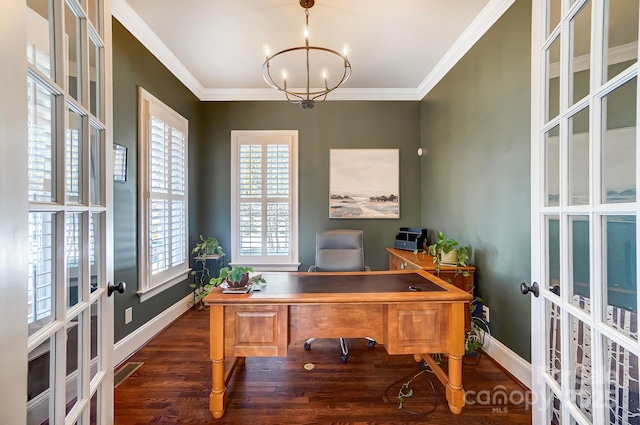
x,y
480,25
131,343
140,30
508,359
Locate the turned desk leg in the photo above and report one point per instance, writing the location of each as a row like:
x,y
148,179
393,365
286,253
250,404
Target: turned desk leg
x,y
455,392
216,350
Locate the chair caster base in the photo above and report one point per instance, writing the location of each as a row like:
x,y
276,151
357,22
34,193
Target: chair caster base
x,y
344,357
372,344
307,346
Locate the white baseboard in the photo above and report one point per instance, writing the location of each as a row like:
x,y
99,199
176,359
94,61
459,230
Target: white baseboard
x,y
513,363
131,343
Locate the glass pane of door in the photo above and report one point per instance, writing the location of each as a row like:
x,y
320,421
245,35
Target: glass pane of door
x,y
621,37
580,261
621,389
552,167
40,44
579,158
581,53
620,274
619,144
553,79
73,52
42,267
41,147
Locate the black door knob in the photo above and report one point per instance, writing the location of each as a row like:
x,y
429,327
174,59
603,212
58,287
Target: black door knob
x,y
119,288
534,289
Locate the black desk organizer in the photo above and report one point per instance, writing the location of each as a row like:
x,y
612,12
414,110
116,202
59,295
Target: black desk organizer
x,y
411,238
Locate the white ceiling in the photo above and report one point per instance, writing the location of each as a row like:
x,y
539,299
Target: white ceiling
x,y
398,49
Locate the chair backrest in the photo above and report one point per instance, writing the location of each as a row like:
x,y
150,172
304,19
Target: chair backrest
x,y
339,251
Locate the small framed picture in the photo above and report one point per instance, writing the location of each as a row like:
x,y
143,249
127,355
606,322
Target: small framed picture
x,y
119,163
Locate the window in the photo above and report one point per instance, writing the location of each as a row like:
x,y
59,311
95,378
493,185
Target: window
x,y
162,157
264,204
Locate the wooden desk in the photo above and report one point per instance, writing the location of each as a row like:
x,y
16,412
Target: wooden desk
x,y
293,306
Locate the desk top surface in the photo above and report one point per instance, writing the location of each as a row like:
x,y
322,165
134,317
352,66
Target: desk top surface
x,y
349,287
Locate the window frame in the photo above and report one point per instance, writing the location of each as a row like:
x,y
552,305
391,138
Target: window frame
x,y
265,137
149,284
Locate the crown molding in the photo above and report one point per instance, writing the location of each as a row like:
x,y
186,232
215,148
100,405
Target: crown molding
x,y
222,95
480,25
141,31
125,14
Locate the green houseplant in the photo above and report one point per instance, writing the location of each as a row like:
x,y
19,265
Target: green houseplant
x,y
479,328
235,277
447,251
206,250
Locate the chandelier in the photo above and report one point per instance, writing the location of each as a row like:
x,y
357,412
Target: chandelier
x,y
307,96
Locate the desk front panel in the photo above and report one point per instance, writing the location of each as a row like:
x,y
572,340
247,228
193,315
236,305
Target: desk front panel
x,y
256,330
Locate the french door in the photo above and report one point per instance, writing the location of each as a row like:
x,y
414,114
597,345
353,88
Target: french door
x,y
584,235
69,317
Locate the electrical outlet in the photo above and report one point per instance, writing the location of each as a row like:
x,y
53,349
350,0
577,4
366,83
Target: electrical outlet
x,y
128,315
485,312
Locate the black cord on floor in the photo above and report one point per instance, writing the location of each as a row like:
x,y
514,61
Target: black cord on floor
x,y
411,377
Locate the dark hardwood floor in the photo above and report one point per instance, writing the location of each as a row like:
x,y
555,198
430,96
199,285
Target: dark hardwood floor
x,y
173,384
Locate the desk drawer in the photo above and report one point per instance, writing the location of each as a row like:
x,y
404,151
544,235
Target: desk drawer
x,y
416,328
259,330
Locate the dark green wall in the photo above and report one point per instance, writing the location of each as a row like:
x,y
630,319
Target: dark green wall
x,y
476,169
330,125
134,66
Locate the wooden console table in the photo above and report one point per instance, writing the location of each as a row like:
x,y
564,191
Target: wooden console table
x,y
293,306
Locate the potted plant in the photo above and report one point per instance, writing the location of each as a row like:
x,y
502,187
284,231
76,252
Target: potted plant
x,y
479,328
447,251
235,277
205,250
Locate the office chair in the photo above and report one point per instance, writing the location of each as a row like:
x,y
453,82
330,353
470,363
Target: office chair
x,y
339,251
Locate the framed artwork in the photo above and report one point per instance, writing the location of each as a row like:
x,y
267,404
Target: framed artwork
x,y
364,183
119,163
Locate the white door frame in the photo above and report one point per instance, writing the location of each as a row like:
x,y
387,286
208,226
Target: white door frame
x,y
13,224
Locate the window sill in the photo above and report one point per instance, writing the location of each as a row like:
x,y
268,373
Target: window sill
x,y
275,267
147,293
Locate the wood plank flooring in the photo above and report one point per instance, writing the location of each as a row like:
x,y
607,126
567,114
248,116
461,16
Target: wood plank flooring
x,y
173,385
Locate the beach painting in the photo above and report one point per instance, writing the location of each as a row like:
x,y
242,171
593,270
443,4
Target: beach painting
x,y
364,183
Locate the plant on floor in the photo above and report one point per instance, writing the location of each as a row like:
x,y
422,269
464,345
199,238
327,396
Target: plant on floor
x,y
479,328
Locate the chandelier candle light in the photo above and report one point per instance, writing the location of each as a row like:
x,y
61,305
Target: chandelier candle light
x,y
307,97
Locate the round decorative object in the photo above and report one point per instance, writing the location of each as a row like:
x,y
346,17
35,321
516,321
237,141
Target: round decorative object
x,y
309,366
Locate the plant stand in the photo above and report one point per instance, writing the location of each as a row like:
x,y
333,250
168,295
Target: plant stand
x,y
202,274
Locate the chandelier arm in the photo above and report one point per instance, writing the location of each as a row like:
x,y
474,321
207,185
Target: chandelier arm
x,y
345,77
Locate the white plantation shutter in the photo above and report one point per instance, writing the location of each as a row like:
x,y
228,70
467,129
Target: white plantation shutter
x,y
164,250
264,211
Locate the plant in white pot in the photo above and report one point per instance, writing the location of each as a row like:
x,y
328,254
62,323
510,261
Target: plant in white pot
x,y
448,252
